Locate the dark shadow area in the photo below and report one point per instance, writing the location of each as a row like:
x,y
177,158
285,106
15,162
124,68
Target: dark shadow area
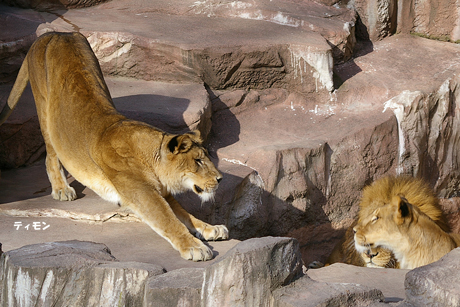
x,y
18,28
225,129
347,69
163,112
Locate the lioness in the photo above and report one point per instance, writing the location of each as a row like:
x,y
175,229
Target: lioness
x,y
123,161
379,194
403,228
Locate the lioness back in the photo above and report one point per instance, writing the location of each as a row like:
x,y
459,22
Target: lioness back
x,y
378,194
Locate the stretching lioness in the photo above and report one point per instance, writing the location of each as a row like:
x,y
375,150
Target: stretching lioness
x,y
403,228
123,161
379,194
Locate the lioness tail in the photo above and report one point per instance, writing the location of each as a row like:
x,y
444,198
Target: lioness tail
x,y
16,92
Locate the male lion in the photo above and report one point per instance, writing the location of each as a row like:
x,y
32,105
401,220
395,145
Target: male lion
x,y
379,194
122,160
409,233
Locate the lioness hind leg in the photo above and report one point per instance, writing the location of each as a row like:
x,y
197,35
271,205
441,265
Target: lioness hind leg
x,y
60,188
201,229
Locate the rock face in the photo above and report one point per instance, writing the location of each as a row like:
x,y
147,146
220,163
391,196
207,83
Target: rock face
x,y
435,284
180,287
71,273
256,272
298,117
307,292
381,18
251,271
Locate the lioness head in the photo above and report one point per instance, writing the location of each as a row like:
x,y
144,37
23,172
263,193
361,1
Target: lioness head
x,y
384,227
188,166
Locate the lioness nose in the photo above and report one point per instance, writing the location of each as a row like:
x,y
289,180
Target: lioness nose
x,y
219,179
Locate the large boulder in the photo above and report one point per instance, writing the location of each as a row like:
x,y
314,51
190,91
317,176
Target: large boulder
x,y
71,273
250,271
436,284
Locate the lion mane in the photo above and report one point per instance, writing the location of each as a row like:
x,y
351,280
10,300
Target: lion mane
x,y
380,193
413,237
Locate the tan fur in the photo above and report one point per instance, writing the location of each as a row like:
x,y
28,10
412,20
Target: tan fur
x,y
122,160
404,229
379,194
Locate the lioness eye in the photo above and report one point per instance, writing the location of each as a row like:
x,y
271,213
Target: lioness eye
x,y
375,218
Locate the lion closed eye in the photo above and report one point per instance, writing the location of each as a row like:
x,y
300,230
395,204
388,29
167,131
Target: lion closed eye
x,y
410,234
379,194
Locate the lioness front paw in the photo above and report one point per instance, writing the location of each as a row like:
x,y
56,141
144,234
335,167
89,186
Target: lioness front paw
x,y
66,194
197,252
214,233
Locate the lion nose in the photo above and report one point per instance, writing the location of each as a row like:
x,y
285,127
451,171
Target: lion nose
x,y
370,255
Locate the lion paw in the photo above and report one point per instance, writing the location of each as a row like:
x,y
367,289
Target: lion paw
x,y
214,233
66,194
198,252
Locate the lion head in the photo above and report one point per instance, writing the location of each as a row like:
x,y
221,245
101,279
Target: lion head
x,y
188,167
413,237
384,227
379,194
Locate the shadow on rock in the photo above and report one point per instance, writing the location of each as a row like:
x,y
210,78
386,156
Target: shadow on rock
x,y
156,110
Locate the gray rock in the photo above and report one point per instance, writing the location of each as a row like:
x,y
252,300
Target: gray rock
x,y
247,208
180,287
250,271
436,284
306,292
389,281
71,273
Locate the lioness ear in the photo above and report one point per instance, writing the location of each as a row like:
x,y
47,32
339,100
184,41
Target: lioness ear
x,y
402,207
180,143
196,136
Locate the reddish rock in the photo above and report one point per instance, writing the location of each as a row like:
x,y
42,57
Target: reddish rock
x,y
378,19
435,19
451,208
44,5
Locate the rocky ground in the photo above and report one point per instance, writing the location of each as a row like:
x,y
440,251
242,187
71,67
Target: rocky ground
x,y
301,103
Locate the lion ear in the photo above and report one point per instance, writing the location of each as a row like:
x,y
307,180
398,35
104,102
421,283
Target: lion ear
x,y
180,143
402,207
